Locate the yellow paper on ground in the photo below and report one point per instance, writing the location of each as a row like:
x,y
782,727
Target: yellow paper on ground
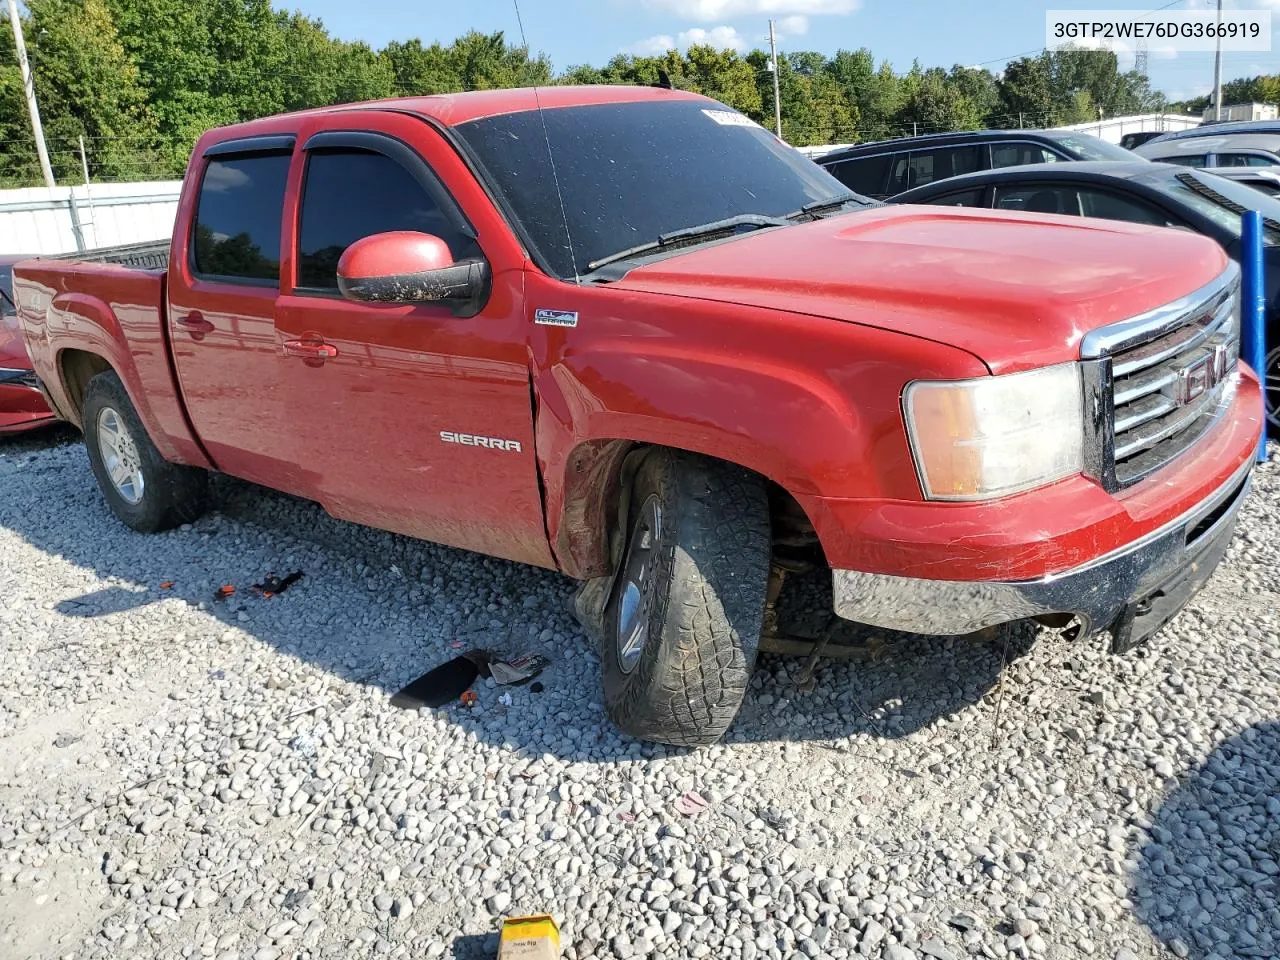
x,y
529,938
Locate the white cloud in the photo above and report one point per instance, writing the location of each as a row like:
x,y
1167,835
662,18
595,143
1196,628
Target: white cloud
x,y
796,25
722,38
707,11
652,46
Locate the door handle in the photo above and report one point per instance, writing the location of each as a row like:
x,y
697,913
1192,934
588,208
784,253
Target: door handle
x,y
310,350
195,325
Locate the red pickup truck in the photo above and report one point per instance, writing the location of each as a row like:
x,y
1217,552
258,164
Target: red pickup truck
x,y
627,334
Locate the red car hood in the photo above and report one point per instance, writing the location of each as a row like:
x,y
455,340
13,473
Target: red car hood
x,y
1015,290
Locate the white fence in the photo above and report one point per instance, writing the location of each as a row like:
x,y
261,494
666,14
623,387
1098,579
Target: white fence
x,y
44,220
1115,128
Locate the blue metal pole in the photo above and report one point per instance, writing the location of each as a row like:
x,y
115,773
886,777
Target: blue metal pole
x,y
1253,306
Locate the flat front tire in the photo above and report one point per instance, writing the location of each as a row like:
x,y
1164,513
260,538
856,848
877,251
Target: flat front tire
x,y
142,488
684,617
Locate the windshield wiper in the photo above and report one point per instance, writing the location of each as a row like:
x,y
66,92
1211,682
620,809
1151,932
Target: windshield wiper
x,y
701,231
822,206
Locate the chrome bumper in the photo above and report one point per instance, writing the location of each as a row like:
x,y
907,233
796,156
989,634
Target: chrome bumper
x,y
1102,593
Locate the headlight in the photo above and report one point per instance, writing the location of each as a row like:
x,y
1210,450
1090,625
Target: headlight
x,y
993,436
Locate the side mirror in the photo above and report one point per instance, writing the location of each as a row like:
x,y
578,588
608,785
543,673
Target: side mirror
x,y
404,266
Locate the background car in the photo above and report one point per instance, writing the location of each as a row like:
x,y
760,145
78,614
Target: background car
x,y
1246,144
1132,140
1265,179
1158,194
887,167
22,406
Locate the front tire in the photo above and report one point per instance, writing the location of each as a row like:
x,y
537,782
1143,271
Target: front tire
x,y
684,618
143,489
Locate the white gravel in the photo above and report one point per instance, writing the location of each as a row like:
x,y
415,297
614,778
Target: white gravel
x,y
185,778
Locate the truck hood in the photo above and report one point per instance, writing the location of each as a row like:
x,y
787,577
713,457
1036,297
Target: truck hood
x,y
1015,290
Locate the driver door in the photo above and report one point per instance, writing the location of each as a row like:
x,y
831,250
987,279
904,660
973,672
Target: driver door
x,y
380,395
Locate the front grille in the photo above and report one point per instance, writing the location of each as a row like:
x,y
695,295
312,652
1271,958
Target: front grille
x,y
1163,380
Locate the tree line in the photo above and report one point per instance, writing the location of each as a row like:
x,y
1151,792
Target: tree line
x,y
139,80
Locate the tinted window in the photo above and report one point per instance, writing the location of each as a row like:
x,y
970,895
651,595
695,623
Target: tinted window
x,y
237,232
1013,154
349,194
1183,160
1246,160
6,291
1218,199
919,167
630,173
1039,199
1083,146
963,198
866,175
1112,206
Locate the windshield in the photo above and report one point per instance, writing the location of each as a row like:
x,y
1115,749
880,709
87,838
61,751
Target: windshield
x,y
1224,209
629,173
1087,147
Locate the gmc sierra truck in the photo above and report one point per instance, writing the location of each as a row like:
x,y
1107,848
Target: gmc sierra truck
x,y
627,334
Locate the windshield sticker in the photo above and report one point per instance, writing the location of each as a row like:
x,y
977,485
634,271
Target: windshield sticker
x,y
728,118
556,318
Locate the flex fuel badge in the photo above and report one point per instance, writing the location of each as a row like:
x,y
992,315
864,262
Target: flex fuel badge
x,y
556,318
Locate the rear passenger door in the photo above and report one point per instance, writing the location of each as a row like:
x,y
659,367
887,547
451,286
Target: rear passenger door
x,y
221,310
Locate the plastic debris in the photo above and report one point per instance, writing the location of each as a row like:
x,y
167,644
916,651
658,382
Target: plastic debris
x,y
529,938
443,684
272,585
166,584
520,670
224,591
505,699
469,698
691,803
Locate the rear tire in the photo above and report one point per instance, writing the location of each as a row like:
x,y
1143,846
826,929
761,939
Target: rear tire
x,y
143,489
684,618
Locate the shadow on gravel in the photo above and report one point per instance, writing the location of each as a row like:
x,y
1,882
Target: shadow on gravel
x,y
476,946
379,610
1208,875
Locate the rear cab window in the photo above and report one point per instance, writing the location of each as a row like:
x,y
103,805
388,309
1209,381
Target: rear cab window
x,y
236,232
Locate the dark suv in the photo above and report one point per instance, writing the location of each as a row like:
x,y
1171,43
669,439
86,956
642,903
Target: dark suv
x,y
888,167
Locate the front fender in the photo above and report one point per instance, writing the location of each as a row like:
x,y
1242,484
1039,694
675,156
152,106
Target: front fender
x,y
812,405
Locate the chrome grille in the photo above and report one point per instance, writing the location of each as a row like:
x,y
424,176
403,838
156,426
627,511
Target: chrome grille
x,y
1162,380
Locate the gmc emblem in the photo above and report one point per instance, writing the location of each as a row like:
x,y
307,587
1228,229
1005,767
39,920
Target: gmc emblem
x,y
1196,379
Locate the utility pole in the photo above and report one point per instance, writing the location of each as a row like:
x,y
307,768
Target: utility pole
x,y
29,88
1217,69
777,99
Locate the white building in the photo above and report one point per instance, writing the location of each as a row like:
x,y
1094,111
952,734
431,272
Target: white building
x,y
1245,111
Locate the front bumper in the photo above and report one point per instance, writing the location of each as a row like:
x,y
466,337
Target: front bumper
x,y
1132,591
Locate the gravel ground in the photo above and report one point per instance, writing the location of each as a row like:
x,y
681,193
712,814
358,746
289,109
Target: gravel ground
x,y
188,778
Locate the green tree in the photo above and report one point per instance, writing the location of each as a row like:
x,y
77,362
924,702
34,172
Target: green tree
x,y
1027,93
87,87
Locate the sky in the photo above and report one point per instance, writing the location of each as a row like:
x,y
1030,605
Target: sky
x,y
937,32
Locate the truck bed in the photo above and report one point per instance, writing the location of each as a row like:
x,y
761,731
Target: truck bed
x,y
151,255
108,303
